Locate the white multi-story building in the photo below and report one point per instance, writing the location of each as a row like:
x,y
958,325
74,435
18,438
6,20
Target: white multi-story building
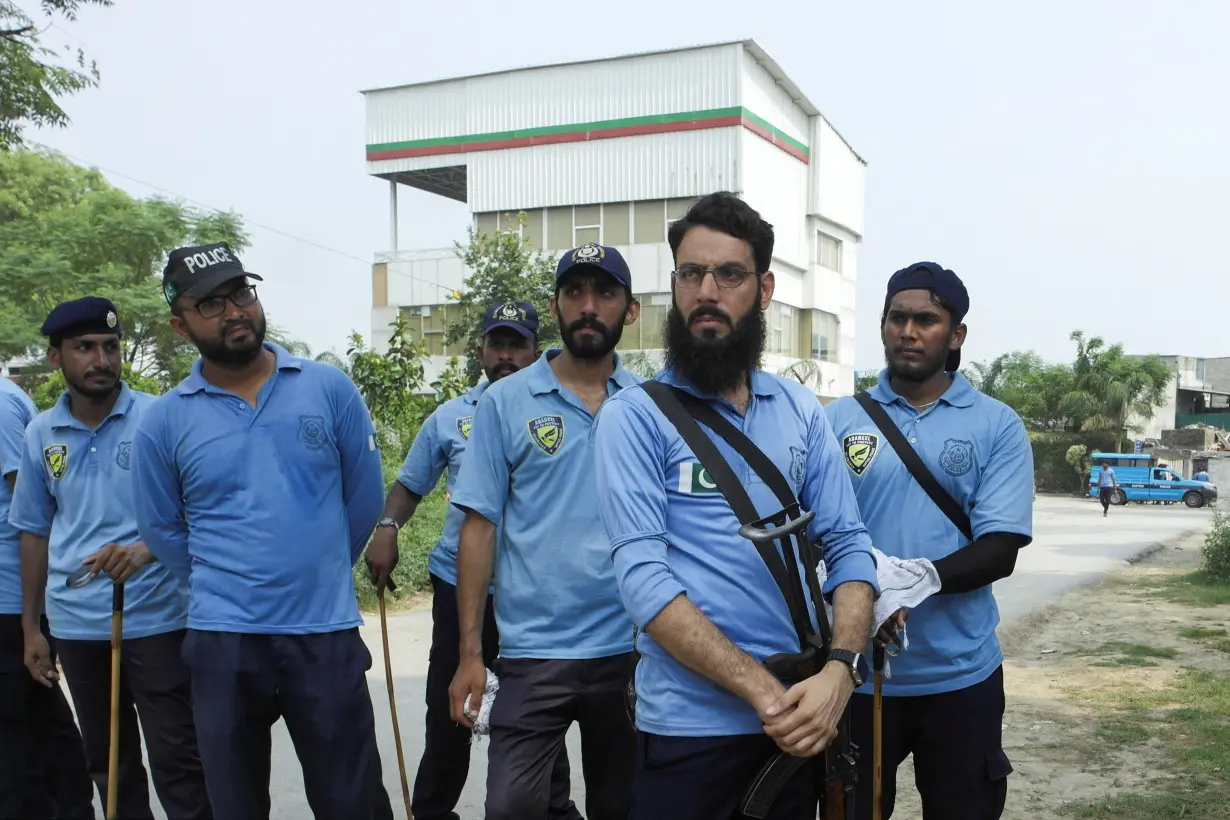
x,y
612,151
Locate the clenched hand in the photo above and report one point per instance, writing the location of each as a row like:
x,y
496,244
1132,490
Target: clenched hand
x,y
803,721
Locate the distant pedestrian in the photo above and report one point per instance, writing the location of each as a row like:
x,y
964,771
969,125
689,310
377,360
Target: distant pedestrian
x,y
1201,475
74,507
1108,483
510,343
42,761
260,484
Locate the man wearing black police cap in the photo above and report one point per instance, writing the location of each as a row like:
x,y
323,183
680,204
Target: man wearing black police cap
x,y
42,761
510,343
944,703
74,507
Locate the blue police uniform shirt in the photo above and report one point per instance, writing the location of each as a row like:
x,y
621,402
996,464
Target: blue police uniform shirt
x,y
16,411
76,489
529,469
262,511
978,450
1106,478
439,445
673,533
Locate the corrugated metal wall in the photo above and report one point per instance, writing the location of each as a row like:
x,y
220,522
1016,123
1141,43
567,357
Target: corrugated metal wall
x,y
558,95
765,98
653,166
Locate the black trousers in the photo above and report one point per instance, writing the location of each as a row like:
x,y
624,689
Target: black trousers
x,y
960,768
42,760
1104,495
153,687
242,684
705,778
537,702
445,764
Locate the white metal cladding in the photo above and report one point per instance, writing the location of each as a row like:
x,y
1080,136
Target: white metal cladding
x,y
839,179
652,166
671,83
775,184
403,164
763,96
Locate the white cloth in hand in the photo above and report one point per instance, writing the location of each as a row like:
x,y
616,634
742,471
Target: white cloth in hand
x,y
482,724
904,584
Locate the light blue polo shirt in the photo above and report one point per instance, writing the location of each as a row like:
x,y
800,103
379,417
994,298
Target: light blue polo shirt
x,y
978,450
76,489
529,469
16,411
1106,478
439,445
262,511
672,532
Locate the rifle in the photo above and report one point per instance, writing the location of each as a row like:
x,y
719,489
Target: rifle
x,y
786,528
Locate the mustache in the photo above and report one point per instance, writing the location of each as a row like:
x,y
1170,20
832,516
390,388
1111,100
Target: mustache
x,y
231,325
89,374
505,367
710,310
586,322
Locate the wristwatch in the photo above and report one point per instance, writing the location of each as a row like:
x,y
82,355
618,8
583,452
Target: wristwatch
x,y
852,660
388,521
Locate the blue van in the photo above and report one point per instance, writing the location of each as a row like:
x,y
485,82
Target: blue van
x,y
1141,479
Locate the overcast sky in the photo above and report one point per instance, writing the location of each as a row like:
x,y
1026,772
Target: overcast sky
x,y
1067,158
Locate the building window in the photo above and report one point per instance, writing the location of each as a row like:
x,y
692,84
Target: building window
x,y
1199,370
783,329
428,323
676,209
649,222
586,225
646,332
825,328
828,251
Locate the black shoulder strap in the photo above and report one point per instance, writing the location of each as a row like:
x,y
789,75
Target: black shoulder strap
x,y
683,410
910,458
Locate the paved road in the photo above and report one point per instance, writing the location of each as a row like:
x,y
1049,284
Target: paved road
x,y
1073,545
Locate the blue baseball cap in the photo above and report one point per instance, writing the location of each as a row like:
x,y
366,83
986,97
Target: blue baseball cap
x,y
944,284
89,314
602,257
518,316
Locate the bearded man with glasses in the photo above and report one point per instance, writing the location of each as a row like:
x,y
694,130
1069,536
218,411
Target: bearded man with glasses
x,y
259,483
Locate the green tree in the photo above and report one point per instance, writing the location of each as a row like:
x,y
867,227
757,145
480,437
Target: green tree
x,y
1027,384
32,77
65,232
503,267
390,384
48,391
866,381
1110,386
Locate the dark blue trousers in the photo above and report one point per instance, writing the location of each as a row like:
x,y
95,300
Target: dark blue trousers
x,y
42,760
705,778
241,685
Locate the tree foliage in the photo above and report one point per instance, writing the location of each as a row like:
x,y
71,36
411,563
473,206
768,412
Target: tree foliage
x,y
1099,392
33,77
65,232
48,391
390,384
503,267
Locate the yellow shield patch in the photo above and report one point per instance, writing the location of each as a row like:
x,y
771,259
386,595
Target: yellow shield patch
x,y
859,449
548,433
56,458
464,425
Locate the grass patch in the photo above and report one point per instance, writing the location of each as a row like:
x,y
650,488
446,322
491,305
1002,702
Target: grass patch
x,y
1197,588
1191,722
1118,653
1211,637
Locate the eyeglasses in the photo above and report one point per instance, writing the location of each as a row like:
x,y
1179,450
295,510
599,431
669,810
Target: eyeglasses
x,y
725,276
216,305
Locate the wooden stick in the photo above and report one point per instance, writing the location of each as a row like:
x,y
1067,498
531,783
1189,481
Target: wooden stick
x,y
388,676
877,728
113,753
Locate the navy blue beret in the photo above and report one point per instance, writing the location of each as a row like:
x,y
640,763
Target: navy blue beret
x,y
89,314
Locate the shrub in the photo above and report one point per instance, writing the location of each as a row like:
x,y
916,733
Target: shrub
x,y
1217,549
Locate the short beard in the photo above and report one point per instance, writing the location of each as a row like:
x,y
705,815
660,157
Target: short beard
x,y
714,364
588,348
91,392
226,354
916,373
499,371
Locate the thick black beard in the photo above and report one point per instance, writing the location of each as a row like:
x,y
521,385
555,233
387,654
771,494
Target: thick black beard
x,y
712,364
588,348
916,374
220,352
501,370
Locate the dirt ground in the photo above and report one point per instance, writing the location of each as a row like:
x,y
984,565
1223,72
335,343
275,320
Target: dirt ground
x,y
1068,669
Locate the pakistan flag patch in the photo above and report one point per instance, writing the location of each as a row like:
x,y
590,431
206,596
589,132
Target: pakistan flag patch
x,y
695,479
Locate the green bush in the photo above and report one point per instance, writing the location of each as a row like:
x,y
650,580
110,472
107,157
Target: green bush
x,y
413,544
1053,472
1217,549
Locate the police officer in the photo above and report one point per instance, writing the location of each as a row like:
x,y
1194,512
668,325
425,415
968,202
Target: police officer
x,y
42,762
510,343
945,700
260,483
74,509
565,640
709,714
